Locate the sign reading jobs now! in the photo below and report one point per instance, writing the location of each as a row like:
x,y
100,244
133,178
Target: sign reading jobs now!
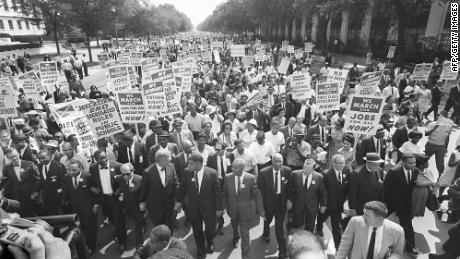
x,y
119,78
132,106
238,50
421,72
363,114
300,86
327,97
48,74
447,74
8,99
103,117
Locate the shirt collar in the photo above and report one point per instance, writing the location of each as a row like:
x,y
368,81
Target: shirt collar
x,y
159,167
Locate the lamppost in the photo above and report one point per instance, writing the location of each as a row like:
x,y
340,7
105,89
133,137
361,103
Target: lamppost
x,y
115,24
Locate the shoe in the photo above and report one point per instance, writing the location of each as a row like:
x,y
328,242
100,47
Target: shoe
x,y
220,230
236,242
266,239
210,248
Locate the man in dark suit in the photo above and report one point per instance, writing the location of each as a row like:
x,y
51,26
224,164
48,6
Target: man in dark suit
x,y
103,183
336,182
163,143
152,139
365,185
306,196
286,105
77,194
52,146
372,144
454,101
22,183
180,161
240,193
221,161
201,185
288,130
273,182
133,152
22,144
398,187
158,188
320,129
129,184
51,178
401,134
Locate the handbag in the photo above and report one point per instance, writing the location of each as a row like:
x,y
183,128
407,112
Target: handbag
x,y
432,202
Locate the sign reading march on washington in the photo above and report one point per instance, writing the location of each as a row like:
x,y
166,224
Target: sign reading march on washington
x,y
327,97
363,114
132,106
421,72
339,76
369,84
103,118
48,74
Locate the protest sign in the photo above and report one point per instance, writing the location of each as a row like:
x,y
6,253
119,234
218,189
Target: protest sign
x,y
136,58
327,97
446,73
421,72
184,82
8,99
155,98
163,54
284,45
207,56
247,61
103,57
148,67
124,58
284,65
217,45
259,57
119,78
339,76
300,86
290,49
363,114
172,96
216,56
308,47
84,133
65,114
254,100
163,74
369,84
31,85
48,74
132,106
391,52
237,50
257,43
103,117
298,53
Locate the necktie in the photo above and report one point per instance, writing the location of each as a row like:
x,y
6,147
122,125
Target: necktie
x,y
179,139
339,177
276,182
323,136
75,182
378,147
163,181
222,171
408,177
239,185
305,184
370,251
19,169
196,182
130,156
45,172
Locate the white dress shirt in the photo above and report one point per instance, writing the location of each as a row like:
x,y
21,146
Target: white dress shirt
x,y
308,180
199,175
45,169
277,140
17,171
262,153
278,180
104,175
162,174
241,182
378,240
221,160
338,174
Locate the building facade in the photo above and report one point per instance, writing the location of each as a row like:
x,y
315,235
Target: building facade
x,y
14,23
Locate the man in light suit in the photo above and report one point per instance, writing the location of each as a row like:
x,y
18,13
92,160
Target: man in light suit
x,y
273,182
163,143
307,195
240,190
179,135
322,130
371,236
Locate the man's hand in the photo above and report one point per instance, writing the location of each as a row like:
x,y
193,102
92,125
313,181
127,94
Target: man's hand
x,y
142,206
95,207
322,210
95,190
289,204
219,213
178,207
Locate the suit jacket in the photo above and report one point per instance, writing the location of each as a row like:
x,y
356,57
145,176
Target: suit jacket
x,y
52,186
353,74
136,153
285,131
158,197
172,147
289,107
336,191
208,200
57,156
186,135
266,184
130,193
180,164
315,130
397,192
307,116
368,145
399,137
150,141
81,198
21,190
27,155
212,163
312,198
242,203
355,239
363,187
95,183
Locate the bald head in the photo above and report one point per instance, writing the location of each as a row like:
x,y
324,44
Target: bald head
x,y
238,166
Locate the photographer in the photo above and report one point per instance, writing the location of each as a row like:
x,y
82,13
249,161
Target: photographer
x,y
42,245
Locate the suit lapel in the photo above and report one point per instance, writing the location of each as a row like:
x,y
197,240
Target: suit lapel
x,y
363,238
271,181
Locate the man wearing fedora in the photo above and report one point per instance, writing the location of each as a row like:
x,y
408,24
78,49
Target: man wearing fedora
x,y
155,130
365,185
371,235
249,135
163,143
375,144
398,187
179,135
